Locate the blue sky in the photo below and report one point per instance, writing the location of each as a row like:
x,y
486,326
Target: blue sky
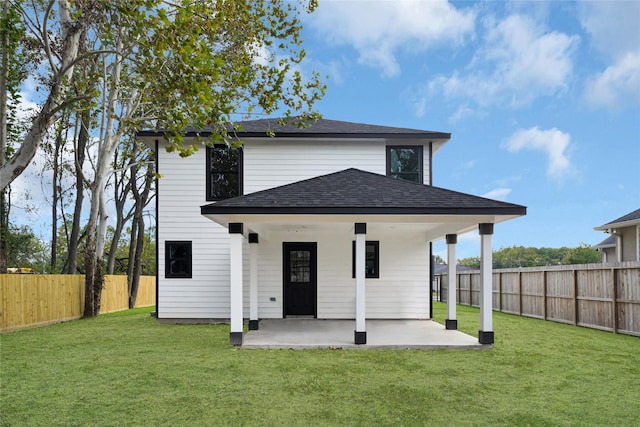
x,y
542,100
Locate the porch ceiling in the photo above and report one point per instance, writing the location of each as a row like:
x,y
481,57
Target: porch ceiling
x,y
433,227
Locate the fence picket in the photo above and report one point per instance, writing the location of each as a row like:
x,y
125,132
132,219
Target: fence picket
x,y
38,299
600,296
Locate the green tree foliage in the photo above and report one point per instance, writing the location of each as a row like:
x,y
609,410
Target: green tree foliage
x,y
26,249
520,256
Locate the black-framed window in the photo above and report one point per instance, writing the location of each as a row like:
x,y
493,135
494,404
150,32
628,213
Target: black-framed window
x,y
371,259
177,259
224,172
405,162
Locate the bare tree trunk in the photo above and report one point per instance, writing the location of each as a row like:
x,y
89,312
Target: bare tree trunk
x,y
94,278
56,190
96,227
71,31
74,239
135,280
135,252
4,231
4,209
121,190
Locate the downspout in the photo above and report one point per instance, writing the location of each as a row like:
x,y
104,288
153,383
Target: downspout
x,y
157,234
431,263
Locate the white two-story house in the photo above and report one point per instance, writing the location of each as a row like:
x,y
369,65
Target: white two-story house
x,y
333,221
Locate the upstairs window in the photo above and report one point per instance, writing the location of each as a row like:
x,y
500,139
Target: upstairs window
x,y
371,259
177,261
224,172
405,162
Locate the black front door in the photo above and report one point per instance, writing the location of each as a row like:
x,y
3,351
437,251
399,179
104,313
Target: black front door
x,y
299,279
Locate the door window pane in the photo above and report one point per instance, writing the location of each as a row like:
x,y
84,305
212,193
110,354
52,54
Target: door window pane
x,y
300,266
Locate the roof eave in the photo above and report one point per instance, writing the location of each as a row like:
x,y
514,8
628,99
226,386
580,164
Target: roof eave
x,y
214,209
332,135
621,224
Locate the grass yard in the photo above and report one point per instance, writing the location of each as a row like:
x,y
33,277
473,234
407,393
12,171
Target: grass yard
x,y
126,369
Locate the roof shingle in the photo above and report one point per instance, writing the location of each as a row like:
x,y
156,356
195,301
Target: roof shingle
x,y
322,128
353,191
631,216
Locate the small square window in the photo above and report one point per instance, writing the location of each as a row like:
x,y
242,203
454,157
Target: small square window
x,y
177,262
372,259
405,162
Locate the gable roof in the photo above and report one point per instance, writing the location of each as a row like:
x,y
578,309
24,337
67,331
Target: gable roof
x,y
322,128
609,242
353,191
632,218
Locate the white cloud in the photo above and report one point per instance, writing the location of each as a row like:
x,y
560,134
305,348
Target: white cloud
x,y
552,142
498,194
613,28
518,62
26,107
377,30
612,25
617,86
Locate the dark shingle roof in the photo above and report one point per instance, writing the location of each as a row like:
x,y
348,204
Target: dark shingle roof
x,y
628,217
322,128
353,191
609,242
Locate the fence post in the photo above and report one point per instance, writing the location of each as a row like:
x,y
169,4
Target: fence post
x,y
575,297
544,295
470,291
614,296
500,290
519,293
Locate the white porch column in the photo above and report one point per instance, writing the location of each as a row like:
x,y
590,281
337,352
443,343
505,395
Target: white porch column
x,y
618,246
235,258
360,334
451,321
253,282
485,335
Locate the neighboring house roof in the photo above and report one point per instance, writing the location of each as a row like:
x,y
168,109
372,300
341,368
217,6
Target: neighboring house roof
x,y
609,242
353,191
442,269
632,218
322,128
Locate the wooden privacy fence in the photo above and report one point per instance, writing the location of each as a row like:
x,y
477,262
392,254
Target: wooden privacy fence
x,y
28,300
600,296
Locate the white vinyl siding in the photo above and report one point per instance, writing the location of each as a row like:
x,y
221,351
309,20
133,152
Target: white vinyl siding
x,y
400,292
182,189
271,163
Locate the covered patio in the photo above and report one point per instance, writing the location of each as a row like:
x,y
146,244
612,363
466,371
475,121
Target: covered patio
x,y
301,334
348,207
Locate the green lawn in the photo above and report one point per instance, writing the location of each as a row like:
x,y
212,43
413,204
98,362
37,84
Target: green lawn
x,y
126,369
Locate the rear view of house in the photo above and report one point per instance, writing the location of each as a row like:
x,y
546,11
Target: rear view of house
x,y
334,221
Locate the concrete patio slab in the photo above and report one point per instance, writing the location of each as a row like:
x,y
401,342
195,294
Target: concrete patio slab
x,y
381,334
